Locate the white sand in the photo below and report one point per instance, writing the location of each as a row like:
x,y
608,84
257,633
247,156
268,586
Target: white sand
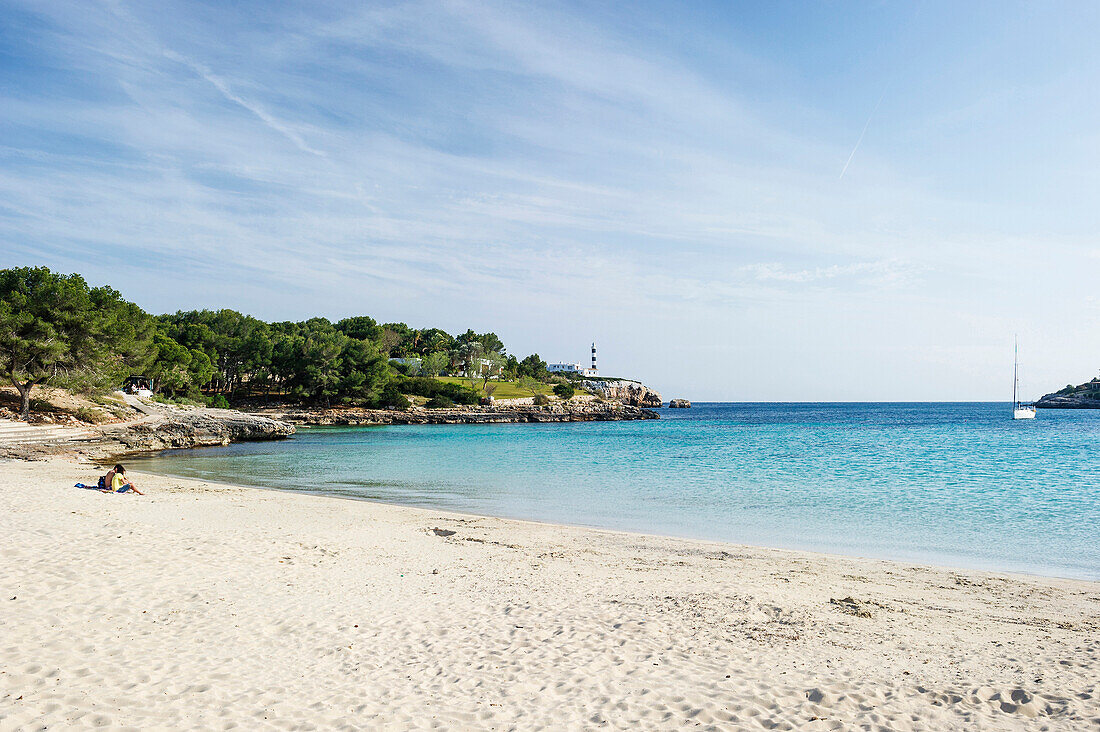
x,y
209,607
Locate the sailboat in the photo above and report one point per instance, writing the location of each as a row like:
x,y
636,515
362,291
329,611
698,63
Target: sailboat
x,y
1019,410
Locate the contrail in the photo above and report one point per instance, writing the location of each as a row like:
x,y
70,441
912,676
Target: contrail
x,y
255,109
861,134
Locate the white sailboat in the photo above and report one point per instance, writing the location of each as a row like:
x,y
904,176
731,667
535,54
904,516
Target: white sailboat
x,y
1019,410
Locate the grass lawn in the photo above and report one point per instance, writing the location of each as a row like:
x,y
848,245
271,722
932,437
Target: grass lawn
x,y
504,390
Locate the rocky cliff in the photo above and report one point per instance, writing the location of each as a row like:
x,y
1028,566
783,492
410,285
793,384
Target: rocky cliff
x,y
1083,396
631,393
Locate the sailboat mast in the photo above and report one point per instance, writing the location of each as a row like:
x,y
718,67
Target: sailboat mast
x,y
1015,369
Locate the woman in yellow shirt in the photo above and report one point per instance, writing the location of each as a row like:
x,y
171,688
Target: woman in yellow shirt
x,y
116,482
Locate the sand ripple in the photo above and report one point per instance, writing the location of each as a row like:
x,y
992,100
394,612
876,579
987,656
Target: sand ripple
x,y
210,608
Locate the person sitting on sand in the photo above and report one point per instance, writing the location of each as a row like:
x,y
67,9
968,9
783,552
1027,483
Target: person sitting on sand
x,y
116,482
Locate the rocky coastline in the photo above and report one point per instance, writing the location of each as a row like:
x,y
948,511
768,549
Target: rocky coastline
x,y
1083,396
511,414
151,426
630,393
198,428
159,427
1068,401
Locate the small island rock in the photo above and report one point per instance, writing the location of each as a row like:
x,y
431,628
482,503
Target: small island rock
x,y
679,404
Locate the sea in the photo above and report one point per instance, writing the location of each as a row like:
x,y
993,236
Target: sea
x,y
950,484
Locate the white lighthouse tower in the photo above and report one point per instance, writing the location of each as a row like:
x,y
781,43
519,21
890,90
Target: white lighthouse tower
x,y
593,371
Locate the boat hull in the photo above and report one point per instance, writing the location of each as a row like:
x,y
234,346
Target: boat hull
x,y
1023,413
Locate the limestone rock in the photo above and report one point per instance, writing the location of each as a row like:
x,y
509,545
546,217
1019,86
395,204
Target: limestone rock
x,y
513,413
201,428
631,393
679,404
1083,396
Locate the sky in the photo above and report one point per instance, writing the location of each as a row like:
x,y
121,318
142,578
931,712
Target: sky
x,y
743,201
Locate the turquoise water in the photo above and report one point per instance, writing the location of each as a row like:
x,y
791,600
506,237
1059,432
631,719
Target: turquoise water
x,y
950,484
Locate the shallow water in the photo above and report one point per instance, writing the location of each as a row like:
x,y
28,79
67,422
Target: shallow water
x,y
950,484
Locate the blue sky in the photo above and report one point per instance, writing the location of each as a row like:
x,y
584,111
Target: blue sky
x,y
769,200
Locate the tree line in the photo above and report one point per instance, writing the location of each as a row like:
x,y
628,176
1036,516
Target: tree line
x,y
57,330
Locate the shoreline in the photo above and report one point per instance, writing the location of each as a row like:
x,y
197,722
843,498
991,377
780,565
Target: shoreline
x,y
202,605
626,534
504,413
930,564
153,427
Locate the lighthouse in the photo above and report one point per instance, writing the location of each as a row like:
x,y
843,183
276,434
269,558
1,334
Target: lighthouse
x,y
594,369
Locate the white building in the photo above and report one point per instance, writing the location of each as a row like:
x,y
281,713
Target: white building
x,y
485,367
569,368
575,368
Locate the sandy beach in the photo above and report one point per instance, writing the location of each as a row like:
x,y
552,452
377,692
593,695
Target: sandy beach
x,y
203,606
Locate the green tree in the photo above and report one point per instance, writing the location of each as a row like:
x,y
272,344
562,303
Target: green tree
x,y
317,362
511,369
534,367
434,363
177,370
564,390
492,343
116,340
55,329
396,339
201,369
470,353
493,367
434,339
487,341
529,383
365,373
363,327
239,346
170,371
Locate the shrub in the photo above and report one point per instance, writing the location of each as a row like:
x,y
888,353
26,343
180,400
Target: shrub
x,y
89,415
392,398
427,387
177,400
440,401
405,369
218,401
542,400
41,405
564,390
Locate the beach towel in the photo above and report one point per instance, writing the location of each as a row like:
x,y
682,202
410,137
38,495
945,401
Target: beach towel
x,y
123,489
